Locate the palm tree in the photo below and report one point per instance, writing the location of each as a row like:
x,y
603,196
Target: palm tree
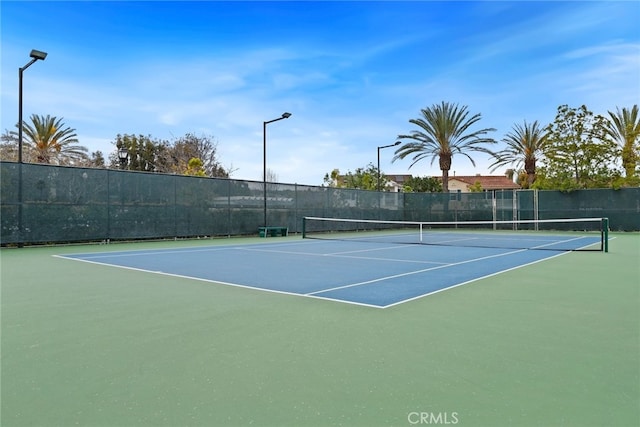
x,y
524,144
624,128
444,131
49,142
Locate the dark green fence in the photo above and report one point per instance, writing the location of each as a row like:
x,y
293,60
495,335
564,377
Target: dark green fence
x,y
43,203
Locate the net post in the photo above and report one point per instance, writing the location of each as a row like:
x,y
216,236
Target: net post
x,y
605,234
304,222
536,208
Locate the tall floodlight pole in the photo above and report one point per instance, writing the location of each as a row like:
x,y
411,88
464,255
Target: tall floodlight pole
x,y
35,56
264,161
379,148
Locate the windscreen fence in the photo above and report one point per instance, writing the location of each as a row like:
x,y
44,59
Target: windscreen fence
x,y
57,204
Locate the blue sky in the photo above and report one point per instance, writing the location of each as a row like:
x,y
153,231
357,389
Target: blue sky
x,y
351,73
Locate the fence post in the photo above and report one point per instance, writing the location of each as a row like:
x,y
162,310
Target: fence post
x,y
20,202
108,238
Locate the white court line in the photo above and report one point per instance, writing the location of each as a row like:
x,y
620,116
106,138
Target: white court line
x,y
472,280
140,252
415,272
565,241
219,282
341,255
296,243
144,252
488,275
396,246
547,240
410,261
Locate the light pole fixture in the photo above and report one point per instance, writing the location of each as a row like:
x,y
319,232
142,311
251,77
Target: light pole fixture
x,y
379,148
264,161
123,155
35,55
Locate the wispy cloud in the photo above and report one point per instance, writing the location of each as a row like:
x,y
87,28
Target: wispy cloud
x,y
351,73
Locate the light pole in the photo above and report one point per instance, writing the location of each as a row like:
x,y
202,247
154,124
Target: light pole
x,y
264,161
35,55
379,148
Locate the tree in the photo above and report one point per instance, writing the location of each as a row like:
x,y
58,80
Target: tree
x,y
363,178
444,131
524,145
143,153
178,153
272,176
48,141
8,147
195,168
476,187
94,160
153,155
623,127
422,185
97,159
578,154
522,178
332,180
510,173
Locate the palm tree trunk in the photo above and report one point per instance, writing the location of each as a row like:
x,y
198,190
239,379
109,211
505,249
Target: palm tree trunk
x,y
445,181
445,166
530,168
43,158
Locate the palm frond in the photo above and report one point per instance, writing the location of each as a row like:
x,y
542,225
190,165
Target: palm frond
x,y
524,143
52,142
624,129
444,130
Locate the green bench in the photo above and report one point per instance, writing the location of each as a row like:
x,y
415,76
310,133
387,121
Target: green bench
x,y
273,231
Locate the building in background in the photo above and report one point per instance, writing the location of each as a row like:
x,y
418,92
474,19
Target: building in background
x,y
467,184
395,183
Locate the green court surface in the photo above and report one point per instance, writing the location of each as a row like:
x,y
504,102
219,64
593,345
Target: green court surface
x,y
556,343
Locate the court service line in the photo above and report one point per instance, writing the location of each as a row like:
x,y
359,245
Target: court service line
x,y
381,279
140,252
340,255
485,276
219,282
255,249
473,280
161,251
410,261
396,246
561,241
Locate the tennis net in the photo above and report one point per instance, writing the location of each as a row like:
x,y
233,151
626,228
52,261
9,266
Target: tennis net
x,y
577,234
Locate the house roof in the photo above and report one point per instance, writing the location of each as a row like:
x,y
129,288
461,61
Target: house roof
x,y
487,182
399,179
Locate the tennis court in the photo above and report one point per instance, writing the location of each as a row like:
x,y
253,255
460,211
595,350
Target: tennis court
x,y
151,334
370,268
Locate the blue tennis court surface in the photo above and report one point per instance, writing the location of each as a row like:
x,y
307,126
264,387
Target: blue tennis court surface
x,y
364,273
